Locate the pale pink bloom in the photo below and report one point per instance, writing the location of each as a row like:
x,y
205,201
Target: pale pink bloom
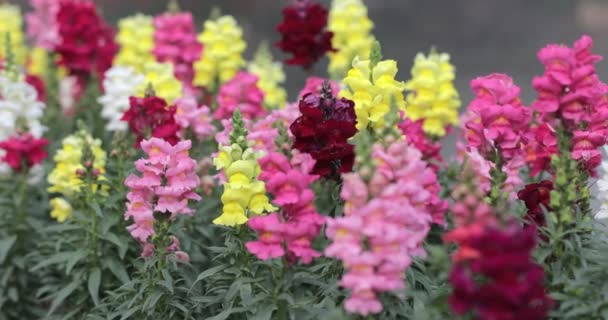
x,y
175,244
182,256
196,118
363,302
42,25
241,92
168,179
354,192
148,250
313,85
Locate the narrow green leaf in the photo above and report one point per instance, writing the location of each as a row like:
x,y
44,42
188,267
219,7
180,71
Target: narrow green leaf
x,y
208,273
62,295
93,285
5,246
264,312
74,259
117,269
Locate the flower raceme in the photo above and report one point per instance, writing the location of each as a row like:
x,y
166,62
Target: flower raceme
x,y
291,231
136,39
373,89
151,116
24,151
223,44
175,41
384,224
162,79
12,23
351,28
168,181
20,110
42,26
322,131
243,93
433,97
497,118
86,43
244,194
189,115
303,33
66,178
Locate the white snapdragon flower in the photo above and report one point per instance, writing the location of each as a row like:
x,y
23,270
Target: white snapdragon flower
x,y
120,82
19,108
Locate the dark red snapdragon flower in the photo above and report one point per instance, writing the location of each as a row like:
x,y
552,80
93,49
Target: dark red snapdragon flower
x,y
151,116
500,281
322,131
431,150
303,33
38,84
24,150
86,43
535,195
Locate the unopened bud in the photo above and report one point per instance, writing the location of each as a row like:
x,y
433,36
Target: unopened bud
x,y
80,172
88,164
96,172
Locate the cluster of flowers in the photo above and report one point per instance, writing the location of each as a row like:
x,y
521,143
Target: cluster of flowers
x,y
163,190
80,163
493,261
291,231
385,222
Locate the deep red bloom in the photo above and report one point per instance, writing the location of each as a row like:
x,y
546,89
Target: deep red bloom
x,y
38,84
87,43
151,117
534,195
500,281
322,131
24,150
303,33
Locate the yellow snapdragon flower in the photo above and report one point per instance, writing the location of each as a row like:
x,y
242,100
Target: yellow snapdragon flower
x,y
11,22
351,26
63,178
244,194
136,39
61,209
433,96
222,54
373,89
163,80
271,75
38,62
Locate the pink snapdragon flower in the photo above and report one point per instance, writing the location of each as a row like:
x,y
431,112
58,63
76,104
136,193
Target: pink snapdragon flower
x,y
42,25
167,183
175,41
299,221
377,239
431,150
241,92
197,118
497,119
571,95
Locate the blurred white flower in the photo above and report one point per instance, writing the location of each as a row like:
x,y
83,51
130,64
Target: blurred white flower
x,y
602,185
120,82
20,110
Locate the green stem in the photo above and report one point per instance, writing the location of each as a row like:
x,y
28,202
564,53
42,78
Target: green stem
x,y
20,198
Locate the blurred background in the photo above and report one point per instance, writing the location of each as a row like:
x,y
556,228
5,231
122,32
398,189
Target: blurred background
x,y
482,36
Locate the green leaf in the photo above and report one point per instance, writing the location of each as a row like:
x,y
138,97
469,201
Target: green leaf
x,y
129,313
264,312
167,281
117,269
208,273
5,246
122,245
63,294
93,285
74,258
226,313
57,258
